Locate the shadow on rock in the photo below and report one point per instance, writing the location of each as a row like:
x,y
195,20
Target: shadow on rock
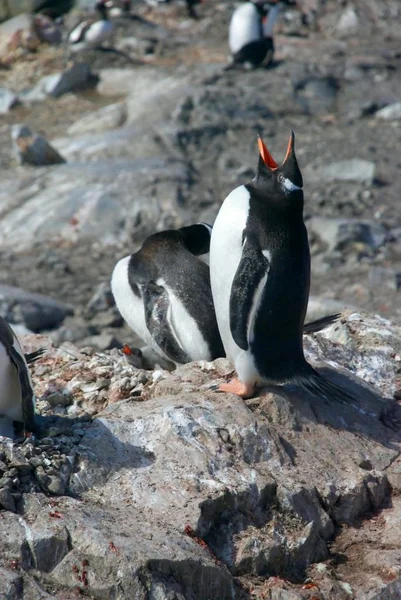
x,y
369,415
97,455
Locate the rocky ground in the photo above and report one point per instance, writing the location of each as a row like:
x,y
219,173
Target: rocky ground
x,y
144,484
161,143
149,485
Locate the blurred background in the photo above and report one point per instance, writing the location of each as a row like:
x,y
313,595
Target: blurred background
x,y
100,147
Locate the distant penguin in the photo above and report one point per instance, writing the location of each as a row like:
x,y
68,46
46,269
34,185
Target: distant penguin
x,y
163,293
250,34
260,277
17,400
91,33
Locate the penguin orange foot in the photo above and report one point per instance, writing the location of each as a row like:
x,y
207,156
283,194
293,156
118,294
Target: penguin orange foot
x,y
235,386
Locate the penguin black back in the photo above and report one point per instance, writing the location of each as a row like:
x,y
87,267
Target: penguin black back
x,y
170,288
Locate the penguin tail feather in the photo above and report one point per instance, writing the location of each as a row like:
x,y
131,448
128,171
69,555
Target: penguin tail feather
x,y
319,324
320,387
31,357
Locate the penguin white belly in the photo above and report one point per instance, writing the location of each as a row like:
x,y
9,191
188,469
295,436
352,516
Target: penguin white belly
x,y
184,328
10,389
245,27
130,306
98,32
225,256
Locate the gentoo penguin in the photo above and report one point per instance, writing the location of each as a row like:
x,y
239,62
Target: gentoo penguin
x,y
260,277
163,293
91,32
250,35
17,400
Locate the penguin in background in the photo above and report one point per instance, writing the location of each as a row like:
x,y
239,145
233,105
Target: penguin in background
x,y
91,33
17,399
163,293
250,35
260,278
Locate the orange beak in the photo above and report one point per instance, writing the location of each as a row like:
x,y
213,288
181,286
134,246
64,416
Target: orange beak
x,y
290,146
266,156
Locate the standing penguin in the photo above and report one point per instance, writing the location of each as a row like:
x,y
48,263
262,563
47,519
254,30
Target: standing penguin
x,y
250,35
91,33
17,400
260,277
163,293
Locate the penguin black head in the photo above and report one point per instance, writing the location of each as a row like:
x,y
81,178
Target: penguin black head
x,y
279,181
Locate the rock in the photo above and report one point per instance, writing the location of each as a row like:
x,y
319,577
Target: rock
x,y
354,169
317,95
77,201
47,30
337,234
7,500
108,117
7,100
101,300
58,399
35,311
171,493
103,341
10,585
392,112
74,78
348,23
11,27
32,148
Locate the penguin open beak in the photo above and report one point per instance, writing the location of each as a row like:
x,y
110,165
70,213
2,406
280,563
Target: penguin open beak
x,y
290,147
266,156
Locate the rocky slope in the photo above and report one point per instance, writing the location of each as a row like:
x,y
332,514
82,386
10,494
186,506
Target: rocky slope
x,y
160,144
149,485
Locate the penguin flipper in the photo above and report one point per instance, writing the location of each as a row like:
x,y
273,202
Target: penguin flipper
x,y
27,394
319,324
246,291
157,305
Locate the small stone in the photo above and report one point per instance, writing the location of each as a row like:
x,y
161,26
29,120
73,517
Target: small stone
x,y
348,22
353,169
7,100
34,149
392,112
6,500
59,399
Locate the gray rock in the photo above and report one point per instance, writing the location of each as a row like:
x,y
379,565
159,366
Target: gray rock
x,y
9,28
338,233
353,169
178,492
7,500
73,78
59,399
78,201
32,148
392,112
108,117
35,311
10,585
348,23
7,100
101,300
102,341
